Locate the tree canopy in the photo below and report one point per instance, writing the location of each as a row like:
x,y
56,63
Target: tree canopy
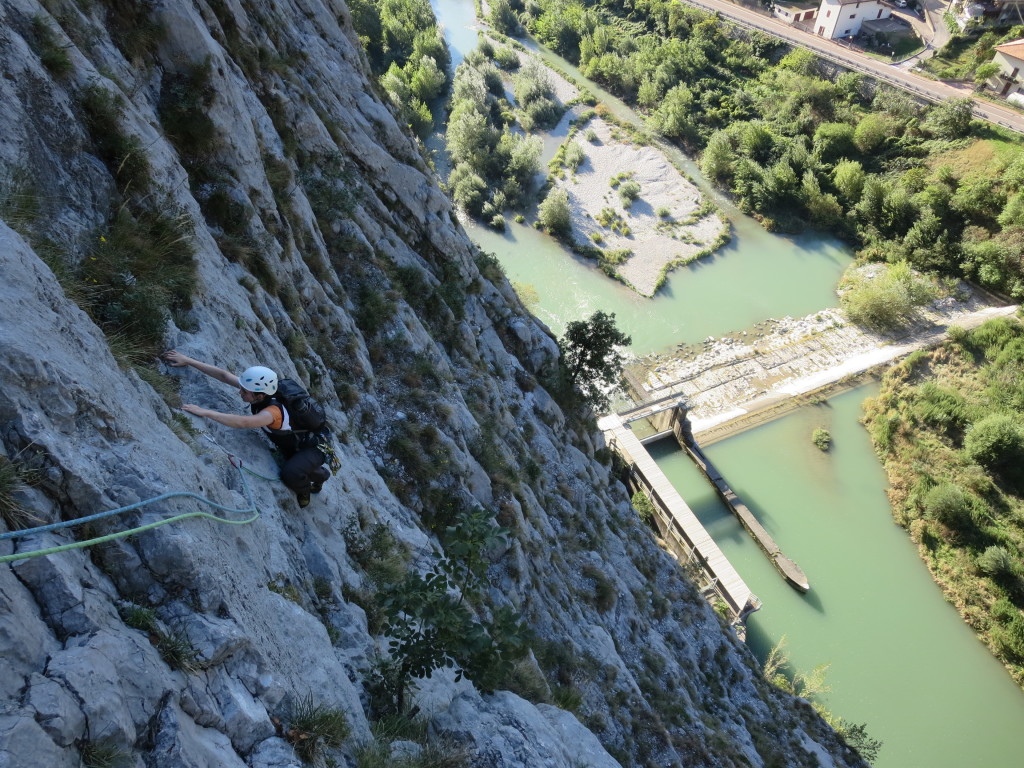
x,y
800,147
494,165
407,53
593,362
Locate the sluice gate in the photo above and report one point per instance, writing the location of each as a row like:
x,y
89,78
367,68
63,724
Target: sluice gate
x,y
675,520
789,570
684,534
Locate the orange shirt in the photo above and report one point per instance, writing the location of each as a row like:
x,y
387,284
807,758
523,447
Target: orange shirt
x,y
278,415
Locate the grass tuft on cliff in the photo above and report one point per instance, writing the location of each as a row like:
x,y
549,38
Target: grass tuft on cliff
x,y
315,727
14,478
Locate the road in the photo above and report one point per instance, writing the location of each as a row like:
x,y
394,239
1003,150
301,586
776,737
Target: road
x,y
930,90
931,28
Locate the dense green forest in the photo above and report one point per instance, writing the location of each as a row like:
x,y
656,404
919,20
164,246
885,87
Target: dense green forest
x,y
902,181
948,428
493,164
407,54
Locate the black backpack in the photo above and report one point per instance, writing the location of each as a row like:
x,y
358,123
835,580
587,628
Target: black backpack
x,y
304,412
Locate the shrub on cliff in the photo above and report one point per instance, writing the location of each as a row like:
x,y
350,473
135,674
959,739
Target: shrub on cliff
x,y
430,623
14,478
313,728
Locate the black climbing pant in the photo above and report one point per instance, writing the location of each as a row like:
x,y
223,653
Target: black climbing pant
x,y
304,470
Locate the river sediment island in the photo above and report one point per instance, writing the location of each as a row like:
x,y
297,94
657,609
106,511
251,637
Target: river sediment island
x,y
629,205
627,199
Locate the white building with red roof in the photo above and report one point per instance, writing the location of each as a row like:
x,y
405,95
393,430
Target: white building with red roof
x,y
1009,81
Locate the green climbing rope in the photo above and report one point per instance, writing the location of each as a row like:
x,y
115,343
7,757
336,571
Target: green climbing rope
x,y
252,511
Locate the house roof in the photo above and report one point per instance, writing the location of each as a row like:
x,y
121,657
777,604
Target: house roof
x,y
800,5
1014,48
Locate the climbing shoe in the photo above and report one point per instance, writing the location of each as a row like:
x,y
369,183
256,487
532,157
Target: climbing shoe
x,y
303,499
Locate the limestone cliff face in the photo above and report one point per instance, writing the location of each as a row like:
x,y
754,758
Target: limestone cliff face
x,y
324,248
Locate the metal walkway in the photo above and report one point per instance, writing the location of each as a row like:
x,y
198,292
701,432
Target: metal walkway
x,y
692,543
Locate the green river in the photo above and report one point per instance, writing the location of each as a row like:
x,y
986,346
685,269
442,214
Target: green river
x,y
901,660
768,275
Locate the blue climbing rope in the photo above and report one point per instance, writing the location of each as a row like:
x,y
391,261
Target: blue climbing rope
x,y
252,511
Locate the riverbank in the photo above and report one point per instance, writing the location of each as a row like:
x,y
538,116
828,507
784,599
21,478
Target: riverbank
x,y
962,507
739,381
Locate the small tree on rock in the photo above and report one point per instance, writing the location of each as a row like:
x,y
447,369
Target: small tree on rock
x,y
593,363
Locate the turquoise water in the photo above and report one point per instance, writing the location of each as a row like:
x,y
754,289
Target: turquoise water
x,y
901,658
756,276
730,291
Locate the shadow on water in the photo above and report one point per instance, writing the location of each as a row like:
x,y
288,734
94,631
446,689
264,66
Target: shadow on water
x,y
717,519
813,598
758,640
667,291
763,515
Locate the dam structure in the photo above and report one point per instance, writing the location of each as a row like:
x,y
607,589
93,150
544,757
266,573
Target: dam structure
x,y
684,535
680,528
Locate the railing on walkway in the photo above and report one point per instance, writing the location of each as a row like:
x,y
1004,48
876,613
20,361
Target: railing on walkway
x,y
683,532
696,565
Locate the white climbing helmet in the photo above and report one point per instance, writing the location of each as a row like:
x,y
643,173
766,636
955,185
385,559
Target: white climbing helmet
x,y
259,379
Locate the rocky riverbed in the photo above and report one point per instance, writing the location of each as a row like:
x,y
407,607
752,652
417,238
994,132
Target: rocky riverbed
x,y
741,379
665,226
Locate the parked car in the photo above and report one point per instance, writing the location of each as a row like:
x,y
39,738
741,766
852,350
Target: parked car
x,y
900,3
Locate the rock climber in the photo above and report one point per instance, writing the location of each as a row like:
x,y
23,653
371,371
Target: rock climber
x,y
303,470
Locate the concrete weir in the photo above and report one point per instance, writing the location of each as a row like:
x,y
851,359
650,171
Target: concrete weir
x,y
682,532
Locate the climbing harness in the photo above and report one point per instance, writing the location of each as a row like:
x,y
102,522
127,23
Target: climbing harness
x,y
252,511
